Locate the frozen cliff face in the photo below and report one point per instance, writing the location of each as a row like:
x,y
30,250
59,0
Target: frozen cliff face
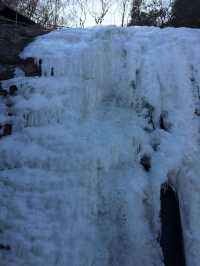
x,y
114,115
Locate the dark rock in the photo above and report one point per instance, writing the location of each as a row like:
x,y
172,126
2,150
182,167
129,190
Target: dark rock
x,y
5,247
7,130
3,93
197,112
13,39
7,71
30,68
10,114
13,90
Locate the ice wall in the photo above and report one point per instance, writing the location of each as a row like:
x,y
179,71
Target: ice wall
x,y
74,191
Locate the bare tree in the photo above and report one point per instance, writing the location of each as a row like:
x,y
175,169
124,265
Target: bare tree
x,y
99,13
83,12
27,7
124,10
56,10
79,12
76,13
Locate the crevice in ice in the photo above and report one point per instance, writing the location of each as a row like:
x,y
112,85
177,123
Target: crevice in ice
x,y
149,116
171,229
146,162
52,72
40,67
164,121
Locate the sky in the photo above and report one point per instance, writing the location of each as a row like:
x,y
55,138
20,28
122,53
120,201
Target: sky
x,y
113,17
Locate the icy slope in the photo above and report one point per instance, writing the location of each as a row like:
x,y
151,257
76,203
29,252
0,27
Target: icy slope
x,y
73,188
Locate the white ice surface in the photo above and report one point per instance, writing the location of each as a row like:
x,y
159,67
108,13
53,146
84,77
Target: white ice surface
x,y
73,191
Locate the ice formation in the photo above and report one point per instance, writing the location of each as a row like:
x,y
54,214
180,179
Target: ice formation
x,y
74,187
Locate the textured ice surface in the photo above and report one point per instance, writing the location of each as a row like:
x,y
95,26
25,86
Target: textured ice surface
x,y
72,189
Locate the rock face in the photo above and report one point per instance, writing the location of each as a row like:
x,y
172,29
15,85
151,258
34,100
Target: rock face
x,y
13,39
110,117
8,13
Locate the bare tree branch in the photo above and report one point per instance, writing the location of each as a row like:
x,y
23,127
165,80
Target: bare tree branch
x,y
99,14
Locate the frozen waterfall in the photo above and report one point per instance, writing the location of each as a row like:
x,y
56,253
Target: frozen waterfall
x,y
114,115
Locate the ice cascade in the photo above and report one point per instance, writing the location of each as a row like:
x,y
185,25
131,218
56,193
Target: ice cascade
x,y
114,115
